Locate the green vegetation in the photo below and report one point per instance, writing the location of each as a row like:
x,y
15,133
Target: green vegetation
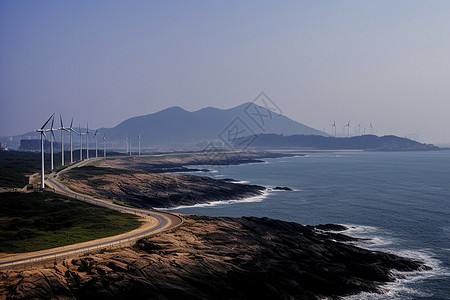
x,y
15,165
37,221
117,202
72,188
86,172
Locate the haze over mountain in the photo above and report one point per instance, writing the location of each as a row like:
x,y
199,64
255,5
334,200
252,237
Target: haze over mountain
x,y
175,126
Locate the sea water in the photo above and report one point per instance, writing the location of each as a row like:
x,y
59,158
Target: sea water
x,y
398,201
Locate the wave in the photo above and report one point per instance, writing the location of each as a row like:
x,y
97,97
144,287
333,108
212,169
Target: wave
x,y
404,286
241,181
368,236
257,198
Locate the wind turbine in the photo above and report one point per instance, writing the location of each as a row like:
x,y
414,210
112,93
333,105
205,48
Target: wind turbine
x,y
104,144
359,128
87,140
129,147
81,142
52,137
348,128
371,127
62,129
71,130
334,125
42,131
96,142
139,143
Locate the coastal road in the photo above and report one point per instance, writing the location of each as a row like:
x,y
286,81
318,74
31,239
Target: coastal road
x,y
156,222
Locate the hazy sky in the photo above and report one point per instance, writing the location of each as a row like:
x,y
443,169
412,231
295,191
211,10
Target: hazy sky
x,y
104,61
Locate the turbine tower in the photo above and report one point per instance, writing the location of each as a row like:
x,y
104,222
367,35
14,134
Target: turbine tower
x,y
96,142
81,142
62,129
104,145
71,130
126,141
87,140
371,127
42,131
334,125
359,128
139,143
129,147
348,129
52,137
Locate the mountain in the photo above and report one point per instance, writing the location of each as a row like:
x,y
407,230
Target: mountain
x,y
315,142
175,126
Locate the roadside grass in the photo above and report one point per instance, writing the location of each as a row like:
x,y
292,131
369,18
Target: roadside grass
x,y
72,188
117,202
44,220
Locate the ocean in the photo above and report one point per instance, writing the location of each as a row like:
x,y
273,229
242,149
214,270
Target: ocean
x,y
398,202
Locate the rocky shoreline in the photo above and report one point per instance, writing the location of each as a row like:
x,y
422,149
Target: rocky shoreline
x,y
156,190
218,258
149,181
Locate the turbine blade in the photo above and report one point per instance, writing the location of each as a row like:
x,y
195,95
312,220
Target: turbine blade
x,y
53,119
45,124
60,118
71,122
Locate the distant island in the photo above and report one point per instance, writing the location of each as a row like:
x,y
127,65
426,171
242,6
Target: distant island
x,y
317,142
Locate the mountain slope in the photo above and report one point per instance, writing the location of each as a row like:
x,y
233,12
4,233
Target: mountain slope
x,y
175,126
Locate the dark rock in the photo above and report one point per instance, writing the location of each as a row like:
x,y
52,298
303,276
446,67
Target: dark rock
x,y
284,188
217,258
331,227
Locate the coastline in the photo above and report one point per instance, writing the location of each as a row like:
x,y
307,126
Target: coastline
x,y
166,254
151,182
248,199
220,258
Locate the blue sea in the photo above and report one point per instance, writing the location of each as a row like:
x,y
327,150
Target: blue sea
x,y
398,201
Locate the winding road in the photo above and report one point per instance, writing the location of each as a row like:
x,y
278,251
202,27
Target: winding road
x,y
156,223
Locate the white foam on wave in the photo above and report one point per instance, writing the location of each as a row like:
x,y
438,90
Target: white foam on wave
x,y
257,198
241,181
368,236
402,288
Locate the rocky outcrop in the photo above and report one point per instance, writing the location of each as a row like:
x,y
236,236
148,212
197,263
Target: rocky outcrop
x,y
157,190
217,258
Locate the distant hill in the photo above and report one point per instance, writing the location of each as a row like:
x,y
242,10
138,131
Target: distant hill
x,y
175,126
315,142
